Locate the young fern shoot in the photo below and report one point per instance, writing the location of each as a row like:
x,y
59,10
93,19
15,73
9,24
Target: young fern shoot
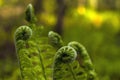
x,y
29,14
85,60
64,56
46,51
22,35
55,39
28,55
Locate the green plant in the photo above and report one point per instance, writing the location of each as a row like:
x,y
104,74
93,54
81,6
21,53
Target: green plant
x,y
36,54
86,61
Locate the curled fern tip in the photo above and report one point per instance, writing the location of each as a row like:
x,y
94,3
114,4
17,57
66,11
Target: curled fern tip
x,y
55,39
23,33
66,54
29,14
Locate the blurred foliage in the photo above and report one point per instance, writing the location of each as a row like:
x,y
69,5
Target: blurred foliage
x,y
97,26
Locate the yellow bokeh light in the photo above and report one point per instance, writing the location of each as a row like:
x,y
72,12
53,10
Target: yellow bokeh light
x,y
95,18
97,21
81,10
47,18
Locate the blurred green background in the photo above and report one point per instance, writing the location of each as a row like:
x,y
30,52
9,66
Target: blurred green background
x,y
94,23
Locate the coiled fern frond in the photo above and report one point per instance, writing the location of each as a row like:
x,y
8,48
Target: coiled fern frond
x,y
55,39
84,60
63,58
30,16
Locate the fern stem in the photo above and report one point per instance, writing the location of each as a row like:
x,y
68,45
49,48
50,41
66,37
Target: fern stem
x,y
72,72
42,66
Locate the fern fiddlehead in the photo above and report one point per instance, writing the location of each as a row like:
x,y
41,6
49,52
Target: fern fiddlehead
x,y
85,58
22,34
55,39
28,54
64,56
46,51
29,14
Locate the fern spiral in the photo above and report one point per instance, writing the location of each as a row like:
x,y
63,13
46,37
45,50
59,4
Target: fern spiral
x,y
55,39
23,33
85,58
64,56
